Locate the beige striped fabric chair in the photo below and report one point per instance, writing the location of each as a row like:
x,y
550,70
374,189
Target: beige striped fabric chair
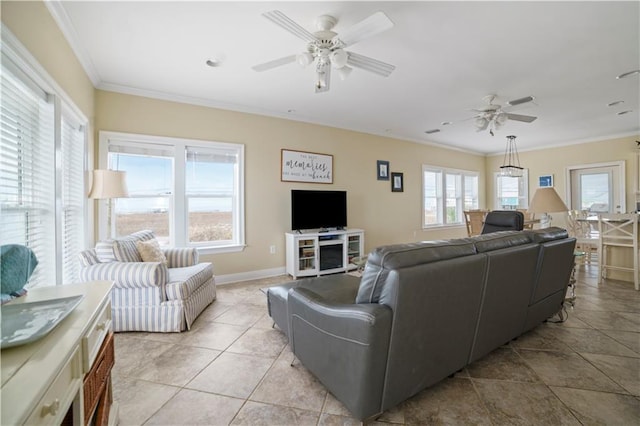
x,y
150,296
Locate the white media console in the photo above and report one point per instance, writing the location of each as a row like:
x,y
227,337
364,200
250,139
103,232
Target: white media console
x,y
319,253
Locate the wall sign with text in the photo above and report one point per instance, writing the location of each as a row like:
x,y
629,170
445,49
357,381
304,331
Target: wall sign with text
x,y
300,166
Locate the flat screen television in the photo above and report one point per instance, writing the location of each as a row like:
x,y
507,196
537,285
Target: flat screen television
x,y
318,209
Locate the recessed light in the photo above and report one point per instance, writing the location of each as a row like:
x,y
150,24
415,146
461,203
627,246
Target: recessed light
x,y
432,131
446,123
610,104
628,74
625,112
213,63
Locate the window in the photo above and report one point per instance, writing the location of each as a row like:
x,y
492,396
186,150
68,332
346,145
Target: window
x,y
446,194
512,192
42,151
597,188
188,192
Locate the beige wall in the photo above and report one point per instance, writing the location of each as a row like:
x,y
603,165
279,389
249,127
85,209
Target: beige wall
x,y
32,24
387,217
556,160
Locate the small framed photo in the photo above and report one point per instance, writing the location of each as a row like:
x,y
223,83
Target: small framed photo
x,y
383,170
397,182
545,181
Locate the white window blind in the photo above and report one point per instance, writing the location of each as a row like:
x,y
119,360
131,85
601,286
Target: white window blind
x,y
27,191
190,193
73,197
446,193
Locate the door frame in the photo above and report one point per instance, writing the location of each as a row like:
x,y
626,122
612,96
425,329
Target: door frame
x,y
621,180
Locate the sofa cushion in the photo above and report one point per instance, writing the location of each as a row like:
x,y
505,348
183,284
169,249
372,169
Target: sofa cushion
x,y
104,251
122,249
182,282
125,250
501,239
548,234
384,259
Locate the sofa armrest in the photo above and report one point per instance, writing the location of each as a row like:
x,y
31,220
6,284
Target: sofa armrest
x,y
344,345
179,257
127,274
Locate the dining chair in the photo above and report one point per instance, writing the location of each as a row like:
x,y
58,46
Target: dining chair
x,y
618,230
474,220
528,218
587,240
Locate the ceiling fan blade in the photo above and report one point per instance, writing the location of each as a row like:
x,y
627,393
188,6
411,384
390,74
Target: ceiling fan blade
x,y
523,118
275,63
288,24
520,101
368,27
369,64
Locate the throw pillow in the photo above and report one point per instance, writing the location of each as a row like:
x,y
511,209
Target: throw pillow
x,y
150,251
104,251
124,248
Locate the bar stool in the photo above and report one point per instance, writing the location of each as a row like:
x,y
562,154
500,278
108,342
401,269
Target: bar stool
x,y
618,230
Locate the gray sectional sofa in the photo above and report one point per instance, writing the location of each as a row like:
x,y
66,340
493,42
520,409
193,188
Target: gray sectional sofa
x,y
421,312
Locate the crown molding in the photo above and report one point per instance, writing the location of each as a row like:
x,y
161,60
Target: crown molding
x,y
61,18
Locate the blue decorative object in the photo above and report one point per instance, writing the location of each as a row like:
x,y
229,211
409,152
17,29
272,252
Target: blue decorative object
x,y
17,263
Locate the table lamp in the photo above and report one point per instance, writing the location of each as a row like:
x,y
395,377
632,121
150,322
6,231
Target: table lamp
x,y
108,184
546,200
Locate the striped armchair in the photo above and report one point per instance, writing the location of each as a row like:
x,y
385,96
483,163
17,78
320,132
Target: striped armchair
x,y
150,296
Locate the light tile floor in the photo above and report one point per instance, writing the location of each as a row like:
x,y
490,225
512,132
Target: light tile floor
x,y
234,368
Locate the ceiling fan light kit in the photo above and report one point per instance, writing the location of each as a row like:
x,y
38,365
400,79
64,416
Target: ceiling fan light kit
x,y
326,48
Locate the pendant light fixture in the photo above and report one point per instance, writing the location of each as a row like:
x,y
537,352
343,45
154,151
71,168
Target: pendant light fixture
x,y
511,162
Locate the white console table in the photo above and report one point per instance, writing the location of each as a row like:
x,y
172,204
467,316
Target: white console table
x,y
43,380
319,253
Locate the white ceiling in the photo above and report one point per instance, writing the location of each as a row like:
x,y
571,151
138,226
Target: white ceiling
x,y
448,56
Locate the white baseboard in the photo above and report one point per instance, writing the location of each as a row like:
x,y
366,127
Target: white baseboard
x,y
251,275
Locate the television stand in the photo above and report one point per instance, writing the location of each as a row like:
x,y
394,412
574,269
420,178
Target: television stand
x,y
318,253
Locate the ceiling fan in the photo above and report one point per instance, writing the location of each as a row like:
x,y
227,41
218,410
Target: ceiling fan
x,y
325,48
492,116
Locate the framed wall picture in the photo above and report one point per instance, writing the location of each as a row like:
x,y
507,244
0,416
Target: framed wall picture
x,y
545,181
310,167
382,170
397,182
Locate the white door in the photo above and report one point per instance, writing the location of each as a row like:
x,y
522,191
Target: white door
x,y
597,188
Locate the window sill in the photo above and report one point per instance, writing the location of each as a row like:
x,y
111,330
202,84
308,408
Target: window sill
x,y
221,249
452,225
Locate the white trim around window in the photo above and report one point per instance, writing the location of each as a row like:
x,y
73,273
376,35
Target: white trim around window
x,y
177,191
511,192
446,193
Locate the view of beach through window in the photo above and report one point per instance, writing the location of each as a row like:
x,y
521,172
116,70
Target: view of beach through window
x,y
207,202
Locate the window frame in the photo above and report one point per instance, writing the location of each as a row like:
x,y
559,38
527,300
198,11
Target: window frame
x,y
442,205
64,109
178,217
524,197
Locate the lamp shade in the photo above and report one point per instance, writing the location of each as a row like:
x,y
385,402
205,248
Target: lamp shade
x,y
108,184
546,200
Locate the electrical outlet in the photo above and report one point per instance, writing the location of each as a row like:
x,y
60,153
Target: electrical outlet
x,y
272,249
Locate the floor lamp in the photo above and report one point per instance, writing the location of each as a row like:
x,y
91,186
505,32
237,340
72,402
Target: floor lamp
x,y
108,184
546,200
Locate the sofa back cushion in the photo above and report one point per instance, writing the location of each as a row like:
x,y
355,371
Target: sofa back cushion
x,y
382,261
122,249
500,240
435,311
